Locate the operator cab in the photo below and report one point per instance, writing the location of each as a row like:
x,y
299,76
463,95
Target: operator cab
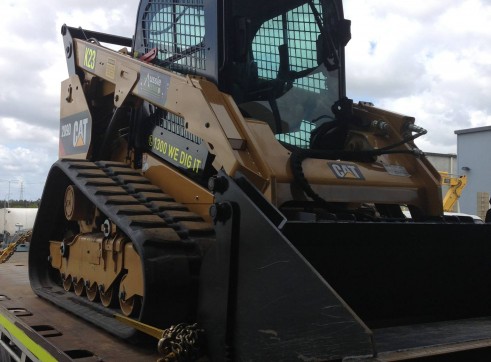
x,y
282,62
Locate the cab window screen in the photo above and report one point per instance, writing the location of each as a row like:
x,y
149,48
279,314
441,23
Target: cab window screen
x,y
177,29
298,29
309,96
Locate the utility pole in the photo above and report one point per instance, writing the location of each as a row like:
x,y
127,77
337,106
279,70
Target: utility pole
x,y
8,197
5,212
4,237
13,181
6,206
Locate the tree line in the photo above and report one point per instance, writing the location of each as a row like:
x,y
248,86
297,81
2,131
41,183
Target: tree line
x,y
22,203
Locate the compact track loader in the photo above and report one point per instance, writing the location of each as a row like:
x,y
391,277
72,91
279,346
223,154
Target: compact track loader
x,y
214,178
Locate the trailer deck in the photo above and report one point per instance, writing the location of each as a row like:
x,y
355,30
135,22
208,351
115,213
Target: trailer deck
x,y
35,329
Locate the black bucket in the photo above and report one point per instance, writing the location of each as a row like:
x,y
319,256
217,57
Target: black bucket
x,y
277,290
402,273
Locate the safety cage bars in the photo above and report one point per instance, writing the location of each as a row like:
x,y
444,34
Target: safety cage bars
x,y
176,29
297,29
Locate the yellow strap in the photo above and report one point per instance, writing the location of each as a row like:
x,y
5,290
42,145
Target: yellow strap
x,y
145,328
15,332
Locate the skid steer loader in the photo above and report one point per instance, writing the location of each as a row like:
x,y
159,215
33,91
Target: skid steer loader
x,y
214,175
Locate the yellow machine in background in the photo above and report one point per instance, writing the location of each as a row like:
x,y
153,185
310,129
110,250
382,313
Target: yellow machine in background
x,y
10,249
456,185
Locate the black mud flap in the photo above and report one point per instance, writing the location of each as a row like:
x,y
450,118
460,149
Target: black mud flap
x,y
261,300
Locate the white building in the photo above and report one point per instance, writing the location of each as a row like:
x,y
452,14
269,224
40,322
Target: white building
x,y
15,219
474,160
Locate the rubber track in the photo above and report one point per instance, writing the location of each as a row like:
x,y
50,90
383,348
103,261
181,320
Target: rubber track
x,y
134,204
143,212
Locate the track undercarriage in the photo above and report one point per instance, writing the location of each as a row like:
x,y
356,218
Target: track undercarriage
x,y
92,263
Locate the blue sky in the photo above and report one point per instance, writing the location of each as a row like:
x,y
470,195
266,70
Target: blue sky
x,y
430,59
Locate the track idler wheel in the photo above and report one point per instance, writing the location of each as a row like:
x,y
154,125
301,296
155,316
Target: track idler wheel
x,y
91,291
67,283
76,205
107,296
129,306
79,287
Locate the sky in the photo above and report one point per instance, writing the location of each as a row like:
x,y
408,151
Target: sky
x,y
429,59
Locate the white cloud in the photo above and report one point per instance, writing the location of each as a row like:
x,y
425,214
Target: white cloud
x,y
430,59
427,59
32,66
26,165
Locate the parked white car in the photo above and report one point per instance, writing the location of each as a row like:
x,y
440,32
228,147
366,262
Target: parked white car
x,y
477,219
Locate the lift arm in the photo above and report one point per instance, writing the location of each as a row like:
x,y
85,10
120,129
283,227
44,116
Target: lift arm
x,y
456,185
